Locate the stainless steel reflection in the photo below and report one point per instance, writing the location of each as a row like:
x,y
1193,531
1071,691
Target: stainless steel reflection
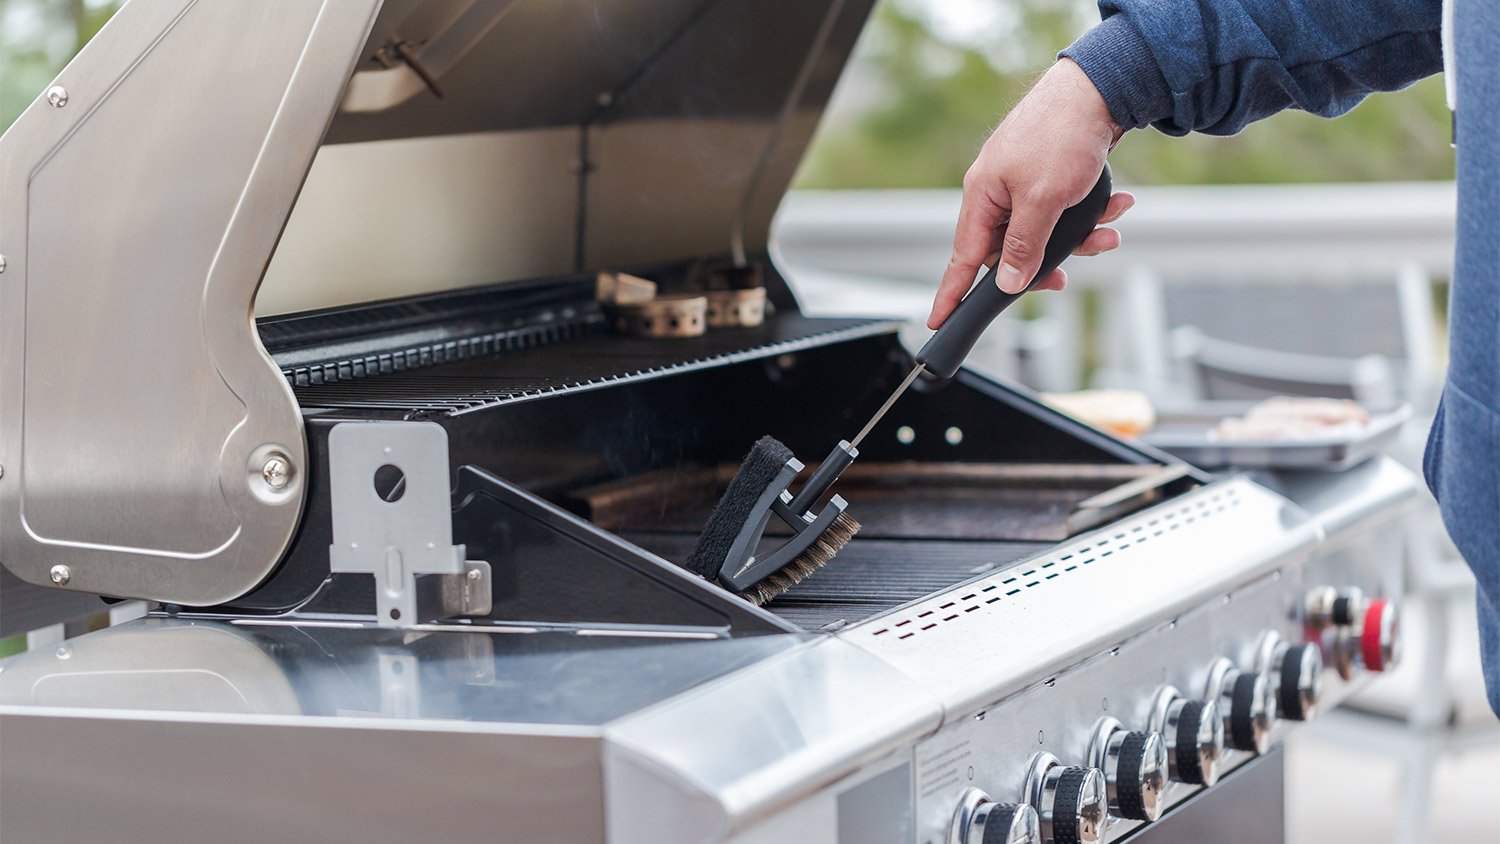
x,y
1087,594
176,380
806,719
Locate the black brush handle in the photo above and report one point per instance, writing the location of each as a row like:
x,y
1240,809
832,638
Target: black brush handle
x,y
945,352
823,477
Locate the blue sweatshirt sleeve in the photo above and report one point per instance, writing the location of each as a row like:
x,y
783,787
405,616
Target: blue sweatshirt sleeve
x,y
1214,66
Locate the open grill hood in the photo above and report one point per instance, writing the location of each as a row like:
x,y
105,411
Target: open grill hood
x,y
571,136
146,197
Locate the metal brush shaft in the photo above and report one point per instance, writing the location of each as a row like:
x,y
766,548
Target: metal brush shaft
x,y
844,453
880,414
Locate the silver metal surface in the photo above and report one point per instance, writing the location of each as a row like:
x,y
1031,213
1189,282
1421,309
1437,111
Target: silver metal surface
x,y
1089,594
283,779
988,745
60,574
125,333
57,96
470,593
1351,504
1187,435
738,750
393,540
478,675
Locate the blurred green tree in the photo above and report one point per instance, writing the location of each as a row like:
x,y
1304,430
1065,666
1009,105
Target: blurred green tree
x,y
918,102
925,88
38,37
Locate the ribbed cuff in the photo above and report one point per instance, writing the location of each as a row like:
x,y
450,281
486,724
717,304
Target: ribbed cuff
x,y
1118,61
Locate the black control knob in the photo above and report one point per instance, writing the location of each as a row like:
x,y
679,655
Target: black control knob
x,y
1298,670
1009,823
1134,766
1346,608
980,820
1251,706
1194,734
1071,803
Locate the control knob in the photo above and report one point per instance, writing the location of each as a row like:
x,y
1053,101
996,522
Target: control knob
x,y
1247,703
1380,635
981,820
1194,736
1071,803
1135,769
1297,673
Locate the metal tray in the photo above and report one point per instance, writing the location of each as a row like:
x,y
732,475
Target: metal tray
x,y
1184,431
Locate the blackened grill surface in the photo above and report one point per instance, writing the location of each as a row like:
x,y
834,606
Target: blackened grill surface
x,y
870,576
589,361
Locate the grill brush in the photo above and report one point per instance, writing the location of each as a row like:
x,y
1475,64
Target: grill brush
x,y
726,549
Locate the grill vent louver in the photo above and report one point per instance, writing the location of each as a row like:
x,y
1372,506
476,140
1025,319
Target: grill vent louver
x,y
1042,572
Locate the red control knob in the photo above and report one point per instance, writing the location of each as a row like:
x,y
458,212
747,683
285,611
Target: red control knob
x,y
1379,635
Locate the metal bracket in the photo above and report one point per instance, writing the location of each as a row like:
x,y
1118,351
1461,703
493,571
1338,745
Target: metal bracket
x,y
402,535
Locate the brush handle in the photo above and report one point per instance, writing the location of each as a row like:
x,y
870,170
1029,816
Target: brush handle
x,y
945,352
823,477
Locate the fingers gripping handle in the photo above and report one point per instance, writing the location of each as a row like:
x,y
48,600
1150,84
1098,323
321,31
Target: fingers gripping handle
x,y
945,352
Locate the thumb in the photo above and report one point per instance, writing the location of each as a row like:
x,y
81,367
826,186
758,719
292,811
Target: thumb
x,y
1024,244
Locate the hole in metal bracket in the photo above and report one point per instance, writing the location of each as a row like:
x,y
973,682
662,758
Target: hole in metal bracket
x,y
390,483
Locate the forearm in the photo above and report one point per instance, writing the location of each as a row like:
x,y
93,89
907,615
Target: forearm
x,y
1216,65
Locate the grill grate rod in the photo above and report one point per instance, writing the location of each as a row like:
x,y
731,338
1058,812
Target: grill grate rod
x,y
585,363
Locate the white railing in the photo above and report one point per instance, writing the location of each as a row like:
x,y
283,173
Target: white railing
x,y
883,251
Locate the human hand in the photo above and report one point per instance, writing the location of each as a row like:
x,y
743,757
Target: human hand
x,y
1045,156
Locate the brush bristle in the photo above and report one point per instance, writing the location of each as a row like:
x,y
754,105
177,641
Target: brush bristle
x,y
816,556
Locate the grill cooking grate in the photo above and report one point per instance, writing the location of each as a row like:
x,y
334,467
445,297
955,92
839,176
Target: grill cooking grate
x,y
869,576
583,363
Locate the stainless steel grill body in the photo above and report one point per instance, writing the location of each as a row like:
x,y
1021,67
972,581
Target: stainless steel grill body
x,y
304,239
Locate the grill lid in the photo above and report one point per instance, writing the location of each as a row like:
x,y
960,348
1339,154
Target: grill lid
x,y
481,141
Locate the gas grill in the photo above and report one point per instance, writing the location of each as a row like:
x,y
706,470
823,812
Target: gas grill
x,y
304,344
